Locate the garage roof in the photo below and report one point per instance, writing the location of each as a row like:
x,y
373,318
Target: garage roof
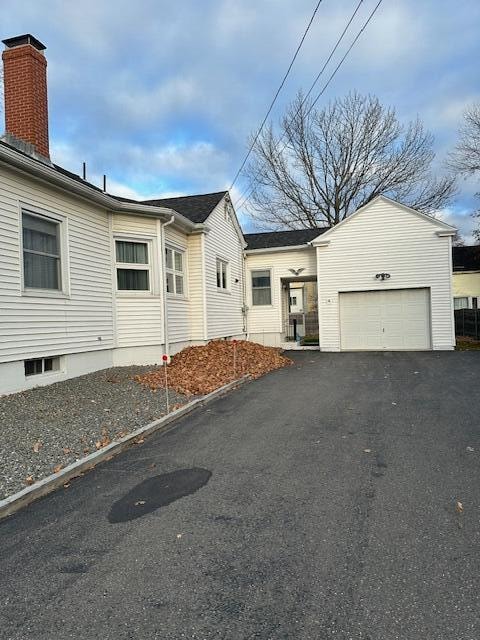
x,y
272,239
466,258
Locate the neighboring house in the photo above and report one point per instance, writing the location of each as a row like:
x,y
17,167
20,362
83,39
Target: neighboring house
x,y
89,280
466,277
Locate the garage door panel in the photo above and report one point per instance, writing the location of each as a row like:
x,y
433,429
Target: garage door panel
x,y
393,319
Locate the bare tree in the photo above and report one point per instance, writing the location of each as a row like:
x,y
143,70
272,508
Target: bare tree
x,y
465,159
326,164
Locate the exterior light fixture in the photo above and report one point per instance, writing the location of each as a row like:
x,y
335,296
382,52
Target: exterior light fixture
x,y
382,276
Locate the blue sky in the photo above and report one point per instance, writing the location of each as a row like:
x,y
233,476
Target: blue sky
x,y
162,96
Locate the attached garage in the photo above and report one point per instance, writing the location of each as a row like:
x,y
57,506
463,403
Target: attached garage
x,y
385,281
391,319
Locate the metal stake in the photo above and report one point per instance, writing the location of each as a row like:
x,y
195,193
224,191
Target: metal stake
x,y
166,384
235,359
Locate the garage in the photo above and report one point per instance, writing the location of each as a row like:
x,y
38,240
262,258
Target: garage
x,y
391,319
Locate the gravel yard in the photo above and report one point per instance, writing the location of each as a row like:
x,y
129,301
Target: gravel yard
x,y
55,425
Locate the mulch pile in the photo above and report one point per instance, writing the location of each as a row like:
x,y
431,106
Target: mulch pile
x,y
201,370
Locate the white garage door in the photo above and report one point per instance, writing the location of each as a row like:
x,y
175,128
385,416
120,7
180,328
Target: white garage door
x,y
393,320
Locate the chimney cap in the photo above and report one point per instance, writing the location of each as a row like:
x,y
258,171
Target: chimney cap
x,y
26,38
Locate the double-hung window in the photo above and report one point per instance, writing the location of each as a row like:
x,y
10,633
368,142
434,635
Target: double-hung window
x,y
175,276
222,274
261,288
133,265
41,252
460,303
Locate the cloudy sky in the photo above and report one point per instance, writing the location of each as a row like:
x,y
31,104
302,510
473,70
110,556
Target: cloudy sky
x,y
162,96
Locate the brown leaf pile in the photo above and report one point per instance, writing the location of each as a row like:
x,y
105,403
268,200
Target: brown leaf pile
x,y
201,370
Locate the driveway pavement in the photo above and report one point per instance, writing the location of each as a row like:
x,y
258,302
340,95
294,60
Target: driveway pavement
x,y
319,502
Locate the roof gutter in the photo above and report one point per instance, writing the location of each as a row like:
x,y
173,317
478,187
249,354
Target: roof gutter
x,y
49,174
296,247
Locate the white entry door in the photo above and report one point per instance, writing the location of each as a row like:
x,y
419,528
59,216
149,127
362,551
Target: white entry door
x,y
392,320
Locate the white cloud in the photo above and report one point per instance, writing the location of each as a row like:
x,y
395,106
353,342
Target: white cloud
x,y
462,220
162,96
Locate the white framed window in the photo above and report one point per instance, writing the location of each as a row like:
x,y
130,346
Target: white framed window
x,y
39,366
222,274
460,303
41,247
175,272
133,266
261,287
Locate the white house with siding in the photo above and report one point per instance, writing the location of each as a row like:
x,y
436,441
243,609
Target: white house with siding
x,y
383,279
89,280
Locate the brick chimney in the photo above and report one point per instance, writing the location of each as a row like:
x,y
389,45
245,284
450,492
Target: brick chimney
x,y
25,83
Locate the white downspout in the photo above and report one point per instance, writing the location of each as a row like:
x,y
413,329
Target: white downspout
x,y
244,294
164,284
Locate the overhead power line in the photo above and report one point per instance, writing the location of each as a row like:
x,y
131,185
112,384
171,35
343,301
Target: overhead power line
x,y
292,62
242,200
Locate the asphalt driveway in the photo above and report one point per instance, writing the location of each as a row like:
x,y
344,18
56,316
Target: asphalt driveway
x,y
318,502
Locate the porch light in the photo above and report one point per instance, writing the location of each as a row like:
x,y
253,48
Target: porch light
x,y
382,276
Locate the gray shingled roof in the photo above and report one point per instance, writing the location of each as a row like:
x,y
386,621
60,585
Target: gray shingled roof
x,y
466,258
272,239
195,208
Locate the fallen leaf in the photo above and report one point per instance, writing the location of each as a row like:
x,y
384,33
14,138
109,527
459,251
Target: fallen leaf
x,y
66,451
367,450
37,446
139,503
459,507
152,466
86,450
57,468
179,535
470,449
66,485
29,480
202,369
140,441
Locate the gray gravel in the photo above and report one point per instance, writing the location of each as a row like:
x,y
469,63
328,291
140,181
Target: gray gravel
x,y
68,418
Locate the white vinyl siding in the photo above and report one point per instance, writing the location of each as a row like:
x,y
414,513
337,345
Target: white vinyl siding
x,y
224,307
178,305
196,286
268,319
385,238
139,314
35,325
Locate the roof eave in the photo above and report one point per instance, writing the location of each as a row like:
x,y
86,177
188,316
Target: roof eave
x,y
46,173
296,247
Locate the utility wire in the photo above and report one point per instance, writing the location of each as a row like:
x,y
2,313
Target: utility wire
x,y
312,18
332,75
312,86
